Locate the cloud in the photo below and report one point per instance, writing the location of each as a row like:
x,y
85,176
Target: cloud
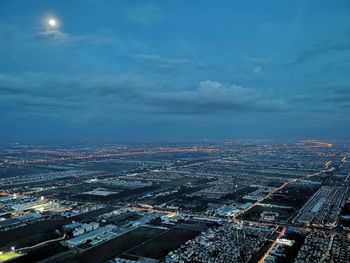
x,y
213,97
254,60
62,87
252,66
169,66
257,69
60,37
144,14
330,97
107,93
79,92
53,34
160,59
315,50
338,95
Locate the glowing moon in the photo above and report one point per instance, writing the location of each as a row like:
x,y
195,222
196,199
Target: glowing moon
x,y
52,22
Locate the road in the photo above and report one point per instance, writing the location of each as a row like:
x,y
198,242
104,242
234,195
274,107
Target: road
x,y
278,189
272,245
42,243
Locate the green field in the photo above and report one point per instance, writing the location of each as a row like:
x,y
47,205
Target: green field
x,y
117,246
161,245
40,231
40,253
31,234
5,256
142,242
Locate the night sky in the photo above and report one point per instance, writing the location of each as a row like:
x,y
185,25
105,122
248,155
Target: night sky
x,y
164,70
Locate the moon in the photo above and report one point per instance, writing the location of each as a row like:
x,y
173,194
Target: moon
x,y
52,22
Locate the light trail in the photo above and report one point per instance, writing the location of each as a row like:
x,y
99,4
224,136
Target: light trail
x,y
267,253
42,243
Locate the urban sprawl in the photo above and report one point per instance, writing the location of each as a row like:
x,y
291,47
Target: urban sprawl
x,y
230,201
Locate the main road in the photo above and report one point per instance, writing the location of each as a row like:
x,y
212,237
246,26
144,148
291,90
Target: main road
x,y
234,217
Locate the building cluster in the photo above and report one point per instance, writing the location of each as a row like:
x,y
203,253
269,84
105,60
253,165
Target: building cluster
x,y
323,208
79,209
278,252
34,178
94,237
17,221
129,184
269,215
259,193
198,195
227,243
325,247
19,210
227,210
218,189
156,175
80,228
93,233
101,192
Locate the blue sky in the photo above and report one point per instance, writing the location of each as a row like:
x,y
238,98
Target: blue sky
x,y
159,70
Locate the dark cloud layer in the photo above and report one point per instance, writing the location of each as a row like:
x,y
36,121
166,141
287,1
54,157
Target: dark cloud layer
x,y
133,92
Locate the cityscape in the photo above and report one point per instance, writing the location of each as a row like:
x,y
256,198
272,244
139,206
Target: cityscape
x,y
178,131
229,201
